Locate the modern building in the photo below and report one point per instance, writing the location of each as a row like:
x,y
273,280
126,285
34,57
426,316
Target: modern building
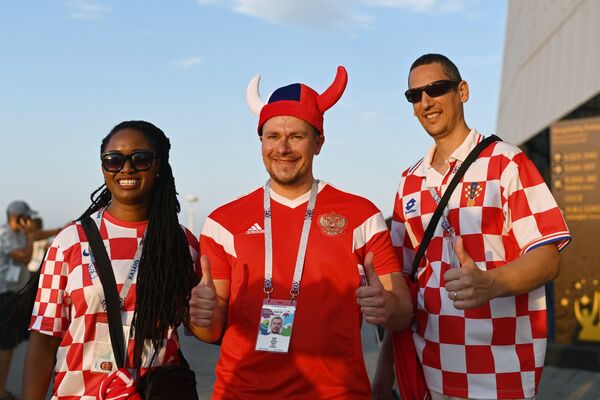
x,y
550,106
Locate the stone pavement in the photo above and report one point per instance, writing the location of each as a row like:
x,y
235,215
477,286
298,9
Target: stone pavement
x,y
557,383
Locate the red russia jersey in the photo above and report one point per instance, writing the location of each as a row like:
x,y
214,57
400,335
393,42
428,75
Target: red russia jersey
x,y
67,304
325,355
501,208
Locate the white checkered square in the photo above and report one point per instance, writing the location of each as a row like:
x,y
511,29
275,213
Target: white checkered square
x,y
494,248
434,279
453,358
503,307
432,331
433,377
537,299
525,230
448,305
492,196
523,330
539,198
478,331
539,348
505,359
478,171
480,385
72,385
78,335
470,220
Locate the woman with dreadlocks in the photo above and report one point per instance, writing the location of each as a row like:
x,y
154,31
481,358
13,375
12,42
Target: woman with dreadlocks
x,y
69,325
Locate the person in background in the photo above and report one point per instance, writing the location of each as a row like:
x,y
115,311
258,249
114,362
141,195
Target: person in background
x,y
39,246
17,238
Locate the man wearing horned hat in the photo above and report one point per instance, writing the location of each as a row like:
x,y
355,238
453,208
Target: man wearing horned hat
x,y
302,250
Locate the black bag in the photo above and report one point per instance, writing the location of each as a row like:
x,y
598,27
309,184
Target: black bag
x,y
165,382
169,382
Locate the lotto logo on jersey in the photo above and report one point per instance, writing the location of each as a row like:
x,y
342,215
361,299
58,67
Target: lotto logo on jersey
x,y
410,206
472,194
332,224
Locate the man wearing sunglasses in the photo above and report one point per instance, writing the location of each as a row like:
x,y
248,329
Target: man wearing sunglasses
x,y
480,329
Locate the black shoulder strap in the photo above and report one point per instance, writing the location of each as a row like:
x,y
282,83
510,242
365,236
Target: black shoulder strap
x,y
440,208
109,286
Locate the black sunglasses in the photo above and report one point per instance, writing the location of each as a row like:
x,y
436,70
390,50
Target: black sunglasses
x,y
140,160
434,89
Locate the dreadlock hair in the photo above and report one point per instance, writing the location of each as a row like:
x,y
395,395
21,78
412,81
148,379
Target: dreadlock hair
x,y
166,273
448,66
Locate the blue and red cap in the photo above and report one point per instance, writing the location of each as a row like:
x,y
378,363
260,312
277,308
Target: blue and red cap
x,y
296,100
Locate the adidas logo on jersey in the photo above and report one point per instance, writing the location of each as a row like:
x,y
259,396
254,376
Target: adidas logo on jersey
x,y
254,230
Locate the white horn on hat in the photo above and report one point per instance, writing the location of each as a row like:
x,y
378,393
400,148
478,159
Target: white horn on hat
x,y
253,96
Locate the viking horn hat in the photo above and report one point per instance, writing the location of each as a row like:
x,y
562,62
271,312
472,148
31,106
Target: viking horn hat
x,y
296,100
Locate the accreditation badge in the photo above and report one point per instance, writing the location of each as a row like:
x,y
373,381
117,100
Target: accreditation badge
x,y
103,360
275,326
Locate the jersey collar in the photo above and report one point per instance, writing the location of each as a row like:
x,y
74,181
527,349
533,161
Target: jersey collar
x,y
460,154
298,200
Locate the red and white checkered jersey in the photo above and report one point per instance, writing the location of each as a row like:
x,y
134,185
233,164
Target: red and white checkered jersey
x,y
67,304
501,208
325,358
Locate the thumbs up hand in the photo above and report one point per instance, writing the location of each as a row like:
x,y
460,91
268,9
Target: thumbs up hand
x,y
375,302
468,286
204,298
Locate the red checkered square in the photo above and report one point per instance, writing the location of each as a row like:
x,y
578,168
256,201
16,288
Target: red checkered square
x,y
452,329
507,385
431,355
526,356
475,246
120,248
492,220
504,331
433,300
482,312
480,360
539,327
455,384
67,303
501,209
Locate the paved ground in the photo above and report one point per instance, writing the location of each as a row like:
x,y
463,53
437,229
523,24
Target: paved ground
x,y
557,383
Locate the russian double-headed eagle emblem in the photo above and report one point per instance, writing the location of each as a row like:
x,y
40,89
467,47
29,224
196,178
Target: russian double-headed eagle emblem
x,y
332,224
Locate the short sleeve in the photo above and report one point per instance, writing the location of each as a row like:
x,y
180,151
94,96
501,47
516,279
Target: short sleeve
x,y
8,242
50,314
372,236
217,243
400,237
533,217
194,248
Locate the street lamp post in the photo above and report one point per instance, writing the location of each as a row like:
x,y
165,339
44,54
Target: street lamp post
x,y
191,199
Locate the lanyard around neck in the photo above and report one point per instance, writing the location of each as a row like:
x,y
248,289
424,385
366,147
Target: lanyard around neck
x,y
447,228
131,275
308,216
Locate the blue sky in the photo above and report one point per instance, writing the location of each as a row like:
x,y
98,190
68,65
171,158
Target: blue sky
x,y
72,69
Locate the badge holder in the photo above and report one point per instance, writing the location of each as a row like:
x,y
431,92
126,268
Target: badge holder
x,y
275,326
